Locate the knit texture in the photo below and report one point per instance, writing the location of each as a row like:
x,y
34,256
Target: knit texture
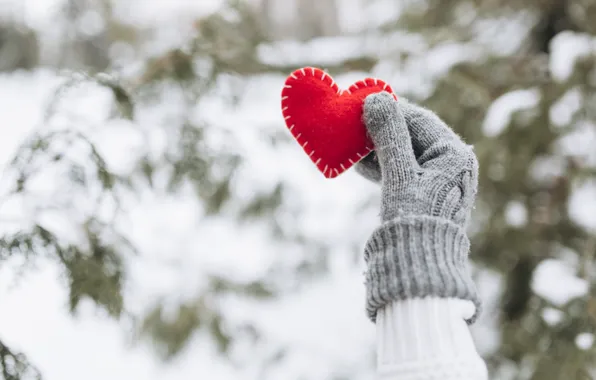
x,y
427,338
429,182
417,256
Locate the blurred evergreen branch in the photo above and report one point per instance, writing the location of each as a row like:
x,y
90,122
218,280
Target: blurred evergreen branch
x,y
14,366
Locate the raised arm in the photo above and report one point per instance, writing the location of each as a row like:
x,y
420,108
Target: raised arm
x,y
419,289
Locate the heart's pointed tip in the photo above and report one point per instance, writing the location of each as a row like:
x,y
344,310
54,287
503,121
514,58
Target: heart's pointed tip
x,y
333,173
330,175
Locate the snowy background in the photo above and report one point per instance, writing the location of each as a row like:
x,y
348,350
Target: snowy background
x,y
317,327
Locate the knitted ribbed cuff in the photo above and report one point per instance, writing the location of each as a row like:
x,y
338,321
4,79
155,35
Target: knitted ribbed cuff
x,y
416,257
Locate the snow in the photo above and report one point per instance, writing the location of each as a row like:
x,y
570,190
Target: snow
x,y
171,12
441,58
494,35
485,331
582,205
22,113
91,23
320,51
350,17
63,348
179,249
566,48
516,214
552,316
378,13
501,110
584,341
312,325
563,110
321,323
579,143
547,168
555,281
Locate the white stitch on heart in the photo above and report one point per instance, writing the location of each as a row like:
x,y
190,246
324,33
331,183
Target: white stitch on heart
x,y
329,80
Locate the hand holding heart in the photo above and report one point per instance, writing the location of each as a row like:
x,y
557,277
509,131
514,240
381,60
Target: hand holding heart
x,y
327,121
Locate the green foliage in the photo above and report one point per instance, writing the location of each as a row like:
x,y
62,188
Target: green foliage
x,y
462,98
14,366
19,47
171,336
171,333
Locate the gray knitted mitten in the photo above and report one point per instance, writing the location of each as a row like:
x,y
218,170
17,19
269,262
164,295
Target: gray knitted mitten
x,y
429,181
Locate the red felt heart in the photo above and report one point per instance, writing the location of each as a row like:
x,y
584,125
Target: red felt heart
x,y
327,121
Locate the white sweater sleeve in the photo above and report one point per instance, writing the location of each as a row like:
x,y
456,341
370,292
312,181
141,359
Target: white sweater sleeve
x,y
427,339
